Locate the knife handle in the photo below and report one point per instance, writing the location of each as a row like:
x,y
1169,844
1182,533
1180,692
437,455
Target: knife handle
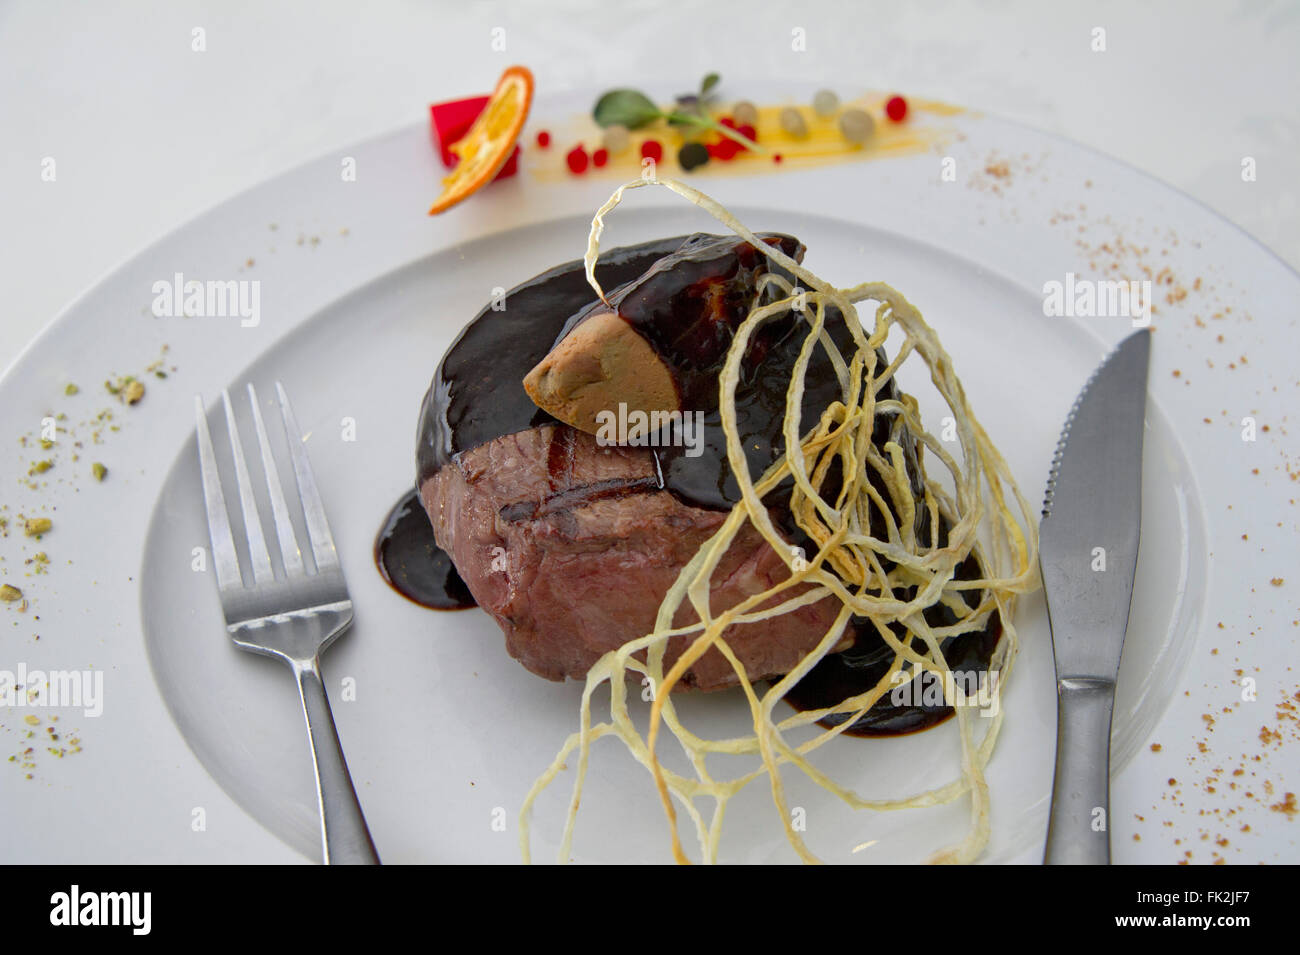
x,y
1082,783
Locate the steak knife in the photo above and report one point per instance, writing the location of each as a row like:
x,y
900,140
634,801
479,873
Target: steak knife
x,y
1088,556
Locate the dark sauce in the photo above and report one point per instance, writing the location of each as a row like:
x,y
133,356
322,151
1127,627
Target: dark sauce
x,y
688,305
686,295
477,393
413,563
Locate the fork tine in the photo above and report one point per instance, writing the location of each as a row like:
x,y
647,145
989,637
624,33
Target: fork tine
x,y
225,560
289,551
318,529
261,560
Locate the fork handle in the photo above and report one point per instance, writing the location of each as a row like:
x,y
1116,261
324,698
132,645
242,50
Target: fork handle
x,y
344,836
1082,782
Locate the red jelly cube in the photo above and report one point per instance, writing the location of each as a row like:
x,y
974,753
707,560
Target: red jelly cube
x,y
451,121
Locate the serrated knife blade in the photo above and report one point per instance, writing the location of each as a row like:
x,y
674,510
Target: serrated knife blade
x,y
1089,538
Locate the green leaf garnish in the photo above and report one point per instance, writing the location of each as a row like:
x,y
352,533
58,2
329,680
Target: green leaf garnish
x,y
633,109
628,108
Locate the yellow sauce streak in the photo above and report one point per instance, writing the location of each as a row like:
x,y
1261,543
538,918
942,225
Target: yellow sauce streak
x,y
922,131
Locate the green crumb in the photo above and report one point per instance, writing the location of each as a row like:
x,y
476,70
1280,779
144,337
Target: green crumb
x,y
46,444
40,467
98,470
71,389
10,593
36,526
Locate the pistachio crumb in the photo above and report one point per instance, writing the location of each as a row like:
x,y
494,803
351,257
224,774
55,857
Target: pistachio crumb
x,y
71,389
32,720
10,593
40,467
98,470
36,526
134,392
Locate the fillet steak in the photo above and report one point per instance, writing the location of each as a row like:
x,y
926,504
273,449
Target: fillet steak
x,y
571,547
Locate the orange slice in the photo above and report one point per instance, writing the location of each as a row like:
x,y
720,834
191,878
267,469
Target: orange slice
x,y
488,144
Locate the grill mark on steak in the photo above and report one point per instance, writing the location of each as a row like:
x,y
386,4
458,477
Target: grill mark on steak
x,y
559,459
572,497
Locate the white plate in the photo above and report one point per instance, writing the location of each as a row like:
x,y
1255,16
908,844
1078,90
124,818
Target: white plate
x,y
447,732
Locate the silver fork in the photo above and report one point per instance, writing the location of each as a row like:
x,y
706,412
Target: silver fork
x,y
293,617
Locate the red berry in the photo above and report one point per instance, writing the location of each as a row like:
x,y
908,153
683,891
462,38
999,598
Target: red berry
x,y
543,139
776,157
577,160
748,132
599,157
896,108
724,149
728,122
650,149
